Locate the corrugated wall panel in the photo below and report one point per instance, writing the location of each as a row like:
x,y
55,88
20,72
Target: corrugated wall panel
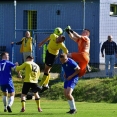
x,y
92,23
6,24
71,13
108,24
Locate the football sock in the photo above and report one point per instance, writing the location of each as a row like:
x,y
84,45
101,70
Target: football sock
x,y
38,102
23,103
11,100
43,79
5,101
47,80
72,104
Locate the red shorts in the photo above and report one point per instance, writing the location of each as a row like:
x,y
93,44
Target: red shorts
x,y
82,59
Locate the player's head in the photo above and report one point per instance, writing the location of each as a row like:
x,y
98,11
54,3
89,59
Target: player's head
x,y
63,58
58,31
60,39
27,34
5,56
86,32
29,58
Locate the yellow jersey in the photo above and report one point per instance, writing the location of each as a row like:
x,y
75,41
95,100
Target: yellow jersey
x,y
54,47
32,71
26,45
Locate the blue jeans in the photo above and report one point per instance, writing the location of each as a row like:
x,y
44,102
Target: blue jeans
x,y
109,59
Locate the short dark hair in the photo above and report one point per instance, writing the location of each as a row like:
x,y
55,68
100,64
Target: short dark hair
x,y
62,36
3,53
29,57
87,30
62,55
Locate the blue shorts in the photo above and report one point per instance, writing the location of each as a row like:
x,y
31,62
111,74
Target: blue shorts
x,y
8,88
70,83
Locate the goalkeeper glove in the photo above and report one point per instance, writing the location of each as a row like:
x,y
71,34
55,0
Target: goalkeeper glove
x,y
68,29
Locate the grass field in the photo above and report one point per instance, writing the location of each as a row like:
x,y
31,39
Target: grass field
x,y
59,108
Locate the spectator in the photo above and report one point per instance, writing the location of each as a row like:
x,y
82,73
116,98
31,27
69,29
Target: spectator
x,y
26,45
110,48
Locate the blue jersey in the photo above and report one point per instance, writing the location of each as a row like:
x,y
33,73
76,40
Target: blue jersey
x,y
69,68
5,72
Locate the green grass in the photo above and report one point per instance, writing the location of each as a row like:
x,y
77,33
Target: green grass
x,y
86,93
52,108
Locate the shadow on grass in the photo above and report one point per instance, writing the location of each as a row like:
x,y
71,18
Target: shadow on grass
x,y
32,113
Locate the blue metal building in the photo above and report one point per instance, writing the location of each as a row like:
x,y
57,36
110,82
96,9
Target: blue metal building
x,y
41,17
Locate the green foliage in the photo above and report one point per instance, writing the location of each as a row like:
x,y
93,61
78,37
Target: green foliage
x,y
90,90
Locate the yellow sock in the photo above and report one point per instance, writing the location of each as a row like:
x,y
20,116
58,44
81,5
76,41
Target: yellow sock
x,y
47,80
43,80
23,103
38,102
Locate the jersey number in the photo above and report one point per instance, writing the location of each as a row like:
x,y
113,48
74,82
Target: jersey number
x,y
2,66
34,68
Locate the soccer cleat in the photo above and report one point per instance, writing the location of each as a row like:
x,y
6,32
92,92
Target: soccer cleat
x,y
5,110
88,68
22,110
9,109
68,111
39,110
44,89
73,111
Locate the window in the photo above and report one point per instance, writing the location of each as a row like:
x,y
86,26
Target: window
x,y
113,9
30,19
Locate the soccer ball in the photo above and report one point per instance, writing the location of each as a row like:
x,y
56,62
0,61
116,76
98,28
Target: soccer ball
x,y
58,31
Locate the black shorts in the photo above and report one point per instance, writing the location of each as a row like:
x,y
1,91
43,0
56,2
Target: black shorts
x,y
27,86
50,59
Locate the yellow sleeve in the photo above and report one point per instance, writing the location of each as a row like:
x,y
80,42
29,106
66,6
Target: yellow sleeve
x,y
53,36
18,68
63,47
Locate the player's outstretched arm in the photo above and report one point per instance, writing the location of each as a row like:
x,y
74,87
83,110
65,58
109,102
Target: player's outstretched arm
x,y
72,34
76,35
63,47
73,37
42,42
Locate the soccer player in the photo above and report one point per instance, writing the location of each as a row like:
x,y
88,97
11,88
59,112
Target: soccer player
x,y
6,81
71,70
82,56
32,73
56,40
